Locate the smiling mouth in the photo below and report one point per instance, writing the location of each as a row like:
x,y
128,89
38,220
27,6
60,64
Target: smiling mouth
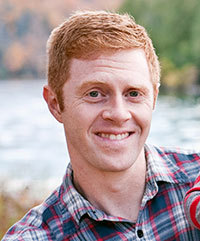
x,y
114,136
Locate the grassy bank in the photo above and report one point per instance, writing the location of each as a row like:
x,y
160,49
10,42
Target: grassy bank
x,y
13,208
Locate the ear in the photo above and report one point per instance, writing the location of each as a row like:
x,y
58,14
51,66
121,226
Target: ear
x,y
156,91
52,102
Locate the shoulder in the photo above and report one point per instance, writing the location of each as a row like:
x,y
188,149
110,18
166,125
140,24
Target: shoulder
x,y
35,224
178,160
188,161
180,154
182,157
176,154
27,234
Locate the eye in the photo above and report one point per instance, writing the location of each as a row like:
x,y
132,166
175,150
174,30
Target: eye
x,y
94,93
133,93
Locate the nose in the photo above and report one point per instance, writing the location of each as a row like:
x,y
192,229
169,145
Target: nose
x,y
117,110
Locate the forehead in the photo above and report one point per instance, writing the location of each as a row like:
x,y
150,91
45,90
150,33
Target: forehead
x,y
123,62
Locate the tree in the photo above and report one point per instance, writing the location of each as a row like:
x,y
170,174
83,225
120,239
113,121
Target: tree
x,y
174,26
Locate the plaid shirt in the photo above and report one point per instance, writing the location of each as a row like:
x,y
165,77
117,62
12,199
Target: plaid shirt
x,y
66,215
192,204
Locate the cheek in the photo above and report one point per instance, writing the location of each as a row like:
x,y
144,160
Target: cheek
x,y
77,120
143,117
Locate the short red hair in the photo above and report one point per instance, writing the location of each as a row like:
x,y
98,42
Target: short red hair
x,y
92,32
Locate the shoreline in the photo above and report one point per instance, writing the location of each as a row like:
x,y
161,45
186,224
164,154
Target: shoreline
x,y
36,189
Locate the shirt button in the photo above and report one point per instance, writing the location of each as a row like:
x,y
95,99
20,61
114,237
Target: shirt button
x,y
140,233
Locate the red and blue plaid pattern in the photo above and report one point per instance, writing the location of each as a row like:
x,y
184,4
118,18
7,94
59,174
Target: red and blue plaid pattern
x,y
66,215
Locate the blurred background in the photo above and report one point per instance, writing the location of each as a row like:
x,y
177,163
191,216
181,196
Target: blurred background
x,y
33,153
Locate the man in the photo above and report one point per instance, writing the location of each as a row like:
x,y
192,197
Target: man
x,y
103,82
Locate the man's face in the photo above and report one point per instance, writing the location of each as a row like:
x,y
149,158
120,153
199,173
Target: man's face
x,y
108,109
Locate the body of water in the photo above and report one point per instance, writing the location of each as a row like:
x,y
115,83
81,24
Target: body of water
x,y
32,142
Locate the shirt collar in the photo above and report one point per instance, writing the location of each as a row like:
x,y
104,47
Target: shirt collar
x,y
72,199
160,167
76,204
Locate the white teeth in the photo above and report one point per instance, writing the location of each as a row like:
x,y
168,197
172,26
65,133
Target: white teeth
x,y
113,136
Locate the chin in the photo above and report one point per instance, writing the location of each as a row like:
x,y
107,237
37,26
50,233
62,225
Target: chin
x,y
115,165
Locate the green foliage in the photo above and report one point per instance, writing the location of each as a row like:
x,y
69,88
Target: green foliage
x,y
174,26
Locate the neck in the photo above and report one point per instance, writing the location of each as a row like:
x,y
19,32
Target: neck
x,y
116,193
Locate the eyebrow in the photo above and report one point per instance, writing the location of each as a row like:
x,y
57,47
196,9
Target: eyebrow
x,y
139,87
89,84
